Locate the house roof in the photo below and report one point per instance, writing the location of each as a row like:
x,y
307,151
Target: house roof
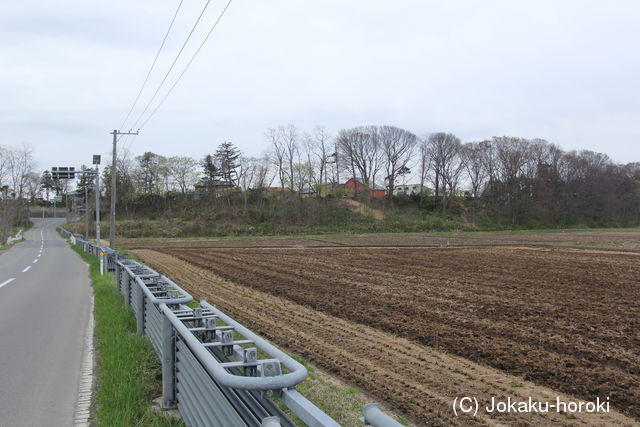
x,y
372,187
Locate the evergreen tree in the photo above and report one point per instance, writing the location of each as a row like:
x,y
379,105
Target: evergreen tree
x,y
47,183
86,180
211,175
226,157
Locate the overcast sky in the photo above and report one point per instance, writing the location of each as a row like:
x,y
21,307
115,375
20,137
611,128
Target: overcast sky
x,y
566,71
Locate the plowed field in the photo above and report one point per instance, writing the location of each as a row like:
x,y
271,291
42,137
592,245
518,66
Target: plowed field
x,y
565,319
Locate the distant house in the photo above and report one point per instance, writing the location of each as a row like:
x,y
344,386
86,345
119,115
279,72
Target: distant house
x,y
408,189
356,186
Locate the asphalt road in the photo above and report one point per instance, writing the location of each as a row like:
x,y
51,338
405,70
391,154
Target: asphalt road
x,y
44,310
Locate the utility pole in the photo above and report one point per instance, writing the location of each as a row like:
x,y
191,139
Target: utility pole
x,y
97,206
112,213
86,211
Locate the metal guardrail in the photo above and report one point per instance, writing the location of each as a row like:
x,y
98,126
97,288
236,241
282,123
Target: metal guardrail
x,y
374,416
215,371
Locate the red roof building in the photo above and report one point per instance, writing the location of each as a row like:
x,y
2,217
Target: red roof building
x,y
358,187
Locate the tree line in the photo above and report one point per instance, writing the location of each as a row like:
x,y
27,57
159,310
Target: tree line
x,y
18,182
504,180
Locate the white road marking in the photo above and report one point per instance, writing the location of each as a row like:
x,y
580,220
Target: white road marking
x,y
7,282
26,269
35,260
83,403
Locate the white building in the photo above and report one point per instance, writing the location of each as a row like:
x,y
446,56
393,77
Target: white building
x,y
408,189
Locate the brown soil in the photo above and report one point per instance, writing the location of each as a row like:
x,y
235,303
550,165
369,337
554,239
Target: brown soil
x,y
362,209
564,319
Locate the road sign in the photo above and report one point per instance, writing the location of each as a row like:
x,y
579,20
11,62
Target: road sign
x,y
96,159
63,172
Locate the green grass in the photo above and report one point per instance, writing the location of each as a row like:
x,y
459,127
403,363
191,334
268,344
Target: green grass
x,y
394,225
141,240
342,402
128,371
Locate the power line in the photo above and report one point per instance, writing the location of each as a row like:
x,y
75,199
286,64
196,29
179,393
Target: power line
x,y
188,65
172,65
146,79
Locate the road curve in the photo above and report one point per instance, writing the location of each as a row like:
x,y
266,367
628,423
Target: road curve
x,y
45,296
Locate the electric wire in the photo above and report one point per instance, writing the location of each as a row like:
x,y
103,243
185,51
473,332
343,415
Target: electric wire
x,y
155,60
172,65
187,66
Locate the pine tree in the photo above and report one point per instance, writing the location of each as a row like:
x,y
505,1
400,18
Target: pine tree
x,y
47,183
87,180
211,175
226,157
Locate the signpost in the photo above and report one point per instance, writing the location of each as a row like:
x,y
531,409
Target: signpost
x,y
96,161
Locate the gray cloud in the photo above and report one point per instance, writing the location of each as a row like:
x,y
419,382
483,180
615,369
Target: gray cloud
x,y
565,71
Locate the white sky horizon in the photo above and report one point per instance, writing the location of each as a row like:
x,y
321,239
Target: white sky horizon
x,y
564,71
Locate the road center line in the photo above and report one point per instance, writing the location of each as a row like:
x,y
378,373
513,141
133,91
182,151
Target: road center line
x,y
26,269
35,260
7,282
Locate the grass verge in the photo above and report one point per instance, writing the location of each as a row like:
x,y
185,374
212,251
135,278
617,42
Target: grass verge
x,y
5,246
342,402
128,373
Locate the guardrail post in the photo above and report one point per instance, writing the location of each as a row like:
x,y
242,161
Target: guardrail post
x,y
127,290
141,306
168,365
118,276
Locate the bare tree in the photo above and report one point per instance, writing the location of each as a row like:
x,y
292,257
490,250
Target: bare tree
x,y
125,178
473,154
20,165
360,149
289,139
277,154
512,155
446,164
424,163
397,149
253,172
184,172
474,165
32,185
320,147
4,165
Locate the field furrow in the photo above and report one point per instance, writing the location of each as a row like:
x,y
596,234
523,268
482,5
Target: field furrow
x,y
375,321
